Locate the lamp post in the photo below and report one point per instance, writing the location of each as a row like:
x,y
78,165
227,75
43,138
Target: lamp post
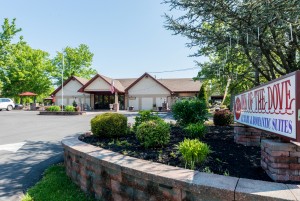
x,y
62,83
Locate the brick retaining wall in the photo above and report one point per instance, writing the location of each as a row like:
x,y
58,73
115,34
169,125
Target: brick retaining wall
x,y
280,160
112,176
246,135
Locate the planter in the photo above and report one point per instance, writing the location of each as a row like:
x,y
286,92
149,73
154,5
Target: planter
x,y
61,113
97,170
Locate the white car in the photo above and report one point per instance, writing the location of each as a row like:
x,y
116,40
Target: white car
x,y
7,104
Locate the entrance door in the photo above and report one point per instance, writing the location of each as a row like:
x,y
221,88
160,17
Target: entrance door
x,y
102,101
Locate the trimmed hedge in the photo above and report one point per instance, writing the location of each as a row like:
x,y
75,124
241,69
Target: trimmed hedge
x,y
153,133
109,125
53,108
223,118
69,108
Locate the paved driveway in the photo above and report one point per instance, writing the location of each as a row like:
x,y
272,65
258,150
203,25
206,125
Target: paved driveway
x,y
30,142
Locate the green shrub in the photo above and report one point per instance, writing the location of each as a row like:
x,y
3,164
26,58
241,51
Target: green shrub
x,y
190,111
193,152
109,125
203,94
197,130
69,108
53,108
153,133
145,115
223,118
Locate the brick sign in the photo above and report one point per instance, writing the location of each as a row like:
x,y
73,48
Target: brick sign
x,y
273,107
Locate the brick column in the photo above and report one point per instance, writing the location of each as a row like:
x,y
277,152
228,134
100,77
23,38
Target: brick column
x,y
246,135
280,160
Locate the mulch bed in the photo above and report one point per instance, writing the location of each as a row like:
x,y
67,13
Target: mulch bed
x,y
227,158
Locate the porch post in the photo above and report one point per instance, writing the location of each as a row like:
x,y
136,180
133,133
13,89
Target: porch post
x,y
116,97
116,104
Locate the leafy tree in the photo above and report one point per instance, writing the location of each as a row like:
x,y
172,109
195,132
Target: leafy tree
x,y
251,41
77,62
29,70
9,30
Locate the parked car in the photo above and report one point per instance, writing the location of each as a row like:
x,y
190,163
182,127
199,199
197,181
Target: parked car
x,y
7,104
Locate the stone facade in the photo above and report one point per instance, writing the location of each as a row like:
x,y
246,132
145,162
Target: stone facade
x,y
280,160
111,176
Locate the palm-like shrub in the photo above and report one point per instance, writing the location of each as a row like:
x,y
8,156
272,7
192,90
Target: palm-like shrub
x,y
193,152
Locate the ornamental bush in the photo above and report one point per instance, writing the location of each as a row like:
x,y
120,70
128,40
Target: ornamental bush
x,y
69,108
190,111
197,130
153,133
109,125
145,115
53,108
223,118
193,152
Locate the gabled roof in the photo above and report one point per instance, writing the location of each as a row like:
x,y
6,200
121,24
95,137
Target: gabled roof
x,y
146,75
81,80
121,85
118,86
181,84
126,82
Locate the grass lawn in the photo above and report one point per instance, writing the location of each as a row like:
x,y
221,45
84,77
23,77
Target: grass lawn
x,y
56,186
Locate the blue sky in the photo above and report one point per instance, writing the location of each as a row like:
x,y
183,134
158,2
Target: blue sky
x,y
126,37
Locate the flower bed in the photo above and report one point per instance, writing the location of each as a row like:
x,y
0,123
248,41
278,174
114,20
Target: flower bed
x,y
61,113
227,157
112,176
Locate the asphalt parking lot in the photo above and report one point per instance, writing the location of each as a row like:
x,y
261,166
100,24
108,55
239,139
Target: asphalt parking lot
x,y
29,143
16,126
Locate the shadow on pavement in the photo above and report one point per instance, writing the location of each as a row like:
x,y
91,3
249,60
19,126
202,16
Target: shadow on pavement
x,y
23,169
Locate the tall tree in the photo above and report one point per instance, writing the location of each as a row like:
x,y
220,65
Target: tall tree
x,y
29,70
9,30
263,35
77,62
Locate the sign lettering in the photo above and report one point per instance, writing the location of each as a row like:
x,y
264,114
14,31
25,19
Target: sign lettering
x,y
272,107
